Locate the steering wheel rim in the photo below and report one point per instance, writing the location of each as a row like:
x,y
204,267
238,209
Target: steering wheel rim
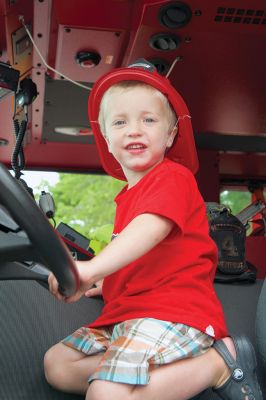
x,y
46,242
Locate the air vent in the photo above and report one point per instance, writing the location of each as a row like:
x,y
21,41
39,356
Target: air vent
x,y
162,66
240,16
165,42
175,15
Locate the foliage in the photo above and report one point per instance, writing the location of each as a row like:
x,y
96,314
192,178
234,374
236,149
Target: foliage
x,y
100,237
235,200
86,202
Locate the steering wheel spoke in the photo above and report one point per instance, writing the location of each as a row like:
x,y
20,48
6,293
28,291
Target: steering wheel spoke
x,y
15,248
42,242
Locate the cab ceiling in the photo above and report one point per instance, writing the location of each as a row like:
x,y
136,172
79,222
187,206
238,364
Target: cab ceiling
x,y
220,72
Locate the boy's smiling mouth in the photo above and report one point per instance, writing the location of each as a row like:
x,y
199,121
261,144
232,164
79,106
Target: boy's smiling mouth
x,y
136,146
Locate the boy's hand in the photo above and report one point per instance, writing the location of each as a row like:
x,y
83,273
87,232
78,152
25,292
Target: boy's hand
x,y
95,291
85,284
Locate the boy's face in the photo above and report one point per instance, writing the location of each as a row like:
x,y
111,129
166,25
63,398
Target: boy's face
x,y
137,130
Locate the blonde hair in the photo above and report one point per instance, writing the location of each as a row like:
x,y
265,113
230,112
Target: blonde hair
x,y
124,85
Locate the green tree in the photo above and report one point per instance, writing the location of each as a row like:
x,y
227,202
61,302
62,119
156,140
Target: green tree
x,y
86,202
236,200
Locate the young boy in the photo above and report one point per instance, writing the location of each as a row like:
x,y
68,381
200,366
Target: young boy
x,y
160,332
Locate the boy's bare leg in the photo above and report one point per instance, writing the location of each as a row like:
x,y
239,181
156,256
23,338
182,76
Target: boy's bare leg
x,y
180,380
67,369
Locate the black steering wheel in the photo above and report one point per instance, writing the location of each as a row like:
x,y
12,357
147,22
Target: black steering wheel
x,y
43,243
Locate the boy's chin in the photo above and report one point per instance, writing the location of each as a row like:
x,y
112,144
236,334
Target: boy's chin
x,y
141,167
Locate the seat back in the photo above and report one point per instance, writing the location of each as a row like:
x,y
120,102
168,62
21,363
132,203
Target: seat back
x,y
261,328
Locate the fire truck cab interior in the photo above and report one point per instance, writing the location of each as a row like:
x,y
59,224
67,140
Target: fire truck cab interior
x,y
51,53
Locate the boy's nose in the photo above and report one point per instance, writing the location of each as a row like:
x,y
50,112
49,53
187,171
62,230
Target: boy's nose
x,y
134,133
134,129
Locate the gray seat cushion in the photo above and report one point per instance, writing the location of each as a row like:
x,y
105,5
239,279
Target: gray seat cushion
x,y
31,321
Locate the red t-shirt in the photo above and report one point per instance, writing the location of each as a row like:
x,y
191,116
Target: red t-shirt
x,y
174,280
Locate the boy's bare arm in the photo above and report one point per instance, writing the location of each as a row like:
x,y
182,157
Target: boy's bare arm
x,y
142,234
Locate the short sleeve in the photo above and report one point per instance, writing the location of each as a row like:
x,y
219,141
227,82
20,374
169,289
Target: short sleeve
x,y
167,194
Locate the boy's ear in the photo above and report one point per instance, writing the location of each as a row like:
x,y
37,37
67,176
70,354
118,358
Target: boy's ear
x,y
172,136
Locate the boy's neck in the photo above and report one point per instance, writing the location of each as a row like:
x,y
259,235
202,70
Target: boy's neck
x,y
133,177
133,181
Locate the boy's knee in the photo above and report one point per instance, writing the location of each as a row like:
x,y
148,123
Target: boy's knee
x,y
52,370
105,390
97,390
48,364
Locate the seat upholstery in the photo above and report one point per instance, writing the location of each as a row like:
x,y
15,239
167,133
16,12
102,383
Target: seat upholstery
x,y
32,320
261,327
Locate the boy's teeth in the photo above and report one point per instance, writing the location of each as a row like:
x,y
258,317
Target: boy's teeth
x,y
135,146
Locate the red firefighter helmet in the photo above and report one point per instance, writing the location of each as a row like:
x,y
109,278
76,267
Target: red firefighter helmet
x,y
183,150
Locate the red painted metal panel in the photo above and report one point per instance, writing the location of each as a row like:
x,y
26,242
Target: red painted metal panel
x,y
66,156
237,166
110,14
2,28
41,29
255,253
208,175
108,44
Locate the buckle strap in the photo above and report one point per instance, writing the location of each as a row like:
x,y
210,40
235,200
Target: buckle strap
x,y
237,372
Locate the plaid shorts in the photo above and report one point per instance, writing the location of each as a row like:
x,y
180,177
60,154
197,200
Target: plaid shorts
x,y
131,347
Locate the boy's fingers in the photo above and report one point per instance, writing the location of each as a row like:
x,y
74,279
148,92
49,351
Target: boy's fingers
x,y
53,287
53,284
93,292
73,298
50,282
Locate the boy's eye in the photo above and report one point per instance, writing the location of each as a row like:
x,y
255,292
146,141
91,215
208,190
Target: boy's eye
x,y
119,122
149,120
